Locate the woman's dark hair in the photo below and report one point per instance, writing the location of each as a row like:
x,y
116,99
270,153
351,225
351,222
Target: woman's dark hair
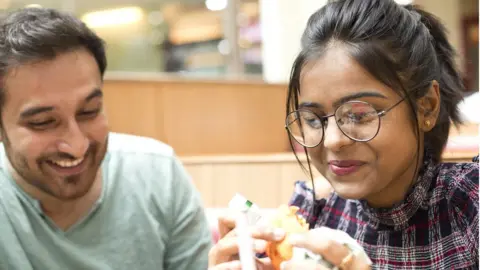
x,y
37,34
403,47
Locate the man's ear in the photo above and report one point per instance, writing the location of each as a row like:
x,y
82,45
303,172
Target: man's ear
x,y
429,107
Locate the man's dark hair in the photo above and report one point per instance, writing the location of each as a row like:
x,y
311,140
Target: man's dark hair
x,y
35,34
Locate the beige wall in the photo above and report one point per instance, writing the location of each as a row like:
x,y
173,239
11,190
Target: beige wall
x,y
469,7
451,13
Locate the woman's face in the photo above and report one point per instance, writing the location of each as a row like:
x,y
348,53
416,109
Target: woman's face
x,y
379,170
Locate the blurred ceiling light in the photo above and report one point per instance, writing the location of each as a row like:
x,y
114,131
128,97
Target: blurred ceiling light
x,y
113,17
215,5
404,2
223,47
33,6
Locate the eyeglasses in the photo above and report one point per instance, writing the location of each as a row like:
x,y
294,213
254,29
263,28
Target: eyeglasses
x,y
358,120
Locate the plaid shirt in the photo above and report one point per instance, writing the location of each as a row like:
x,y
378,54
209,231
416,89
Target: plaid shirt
x,y
435,227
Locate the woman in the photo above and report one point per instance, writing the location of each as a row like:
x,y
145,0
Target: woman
x,y
372,96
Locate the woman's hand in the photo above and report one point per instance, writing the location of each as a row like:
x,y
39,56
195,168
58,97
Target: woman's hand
x,y
224,255
319,242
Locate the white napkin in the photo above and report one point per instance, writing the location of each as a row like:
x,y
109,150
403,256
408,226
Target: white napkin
x,y
334,235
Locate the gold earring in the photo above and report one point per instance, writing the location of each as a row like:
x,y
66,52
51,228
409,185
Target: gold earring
x,y
427,123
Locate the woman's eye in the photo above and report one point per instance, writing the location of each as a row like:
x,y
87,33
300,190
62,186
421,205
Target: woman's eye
x,y
313,122
361,117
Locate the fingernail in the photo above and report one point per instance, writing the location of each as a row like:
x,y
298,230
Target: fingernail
x,y
295,239
278,234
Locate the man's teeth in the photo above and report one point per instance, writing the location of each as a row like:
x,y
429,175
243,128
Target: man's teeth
x,y
67,163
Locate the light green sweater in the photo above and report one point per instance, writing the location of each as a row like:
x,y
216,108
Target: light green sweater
x,y
149,216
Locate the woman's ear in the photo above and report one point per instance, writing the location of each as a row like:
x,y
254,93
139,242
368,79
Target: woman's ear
x,y
429,107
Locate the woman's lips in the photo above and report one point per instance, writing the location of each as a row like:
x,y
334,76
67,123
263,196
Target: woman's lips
x,y
344,167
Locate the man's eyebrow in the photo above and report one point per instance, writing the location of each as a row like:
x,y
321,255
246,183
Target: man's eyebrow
x,y
94,94
36,110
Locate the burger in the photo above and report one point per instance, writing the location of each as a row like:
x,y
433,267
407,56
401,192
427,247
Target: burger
x,y
287,219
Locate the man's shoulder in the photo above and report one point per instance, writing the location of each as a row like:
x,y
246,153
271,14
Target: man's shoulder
x,y
138,159
126,144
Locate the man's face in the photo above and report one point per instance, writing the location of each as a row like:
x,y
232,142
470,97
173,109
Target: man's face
x,y
54,126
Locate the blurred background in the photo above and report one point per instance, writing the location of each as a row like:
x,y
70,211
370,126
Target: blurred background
x,y
218,38
209,78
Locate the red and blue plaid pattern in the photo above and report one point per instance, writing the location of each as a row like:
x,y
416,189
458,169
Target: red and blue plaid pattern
x,y
435,227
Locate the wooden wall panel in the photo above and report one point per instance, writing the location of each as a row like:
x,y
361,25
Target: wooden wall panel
x,y
268,180
133,108
201,118
209,117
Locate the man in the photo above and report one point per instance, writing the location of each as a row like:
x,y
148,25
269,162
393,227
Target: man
x,y
69,200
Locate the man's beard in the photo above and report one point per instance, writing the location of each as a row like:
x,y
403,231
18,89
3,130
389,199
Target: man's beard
x,y
39,179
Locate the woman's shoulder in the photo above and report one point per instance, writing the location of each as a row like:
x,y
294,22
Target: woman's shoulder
x,y
459,183
302,195
458,175
310,205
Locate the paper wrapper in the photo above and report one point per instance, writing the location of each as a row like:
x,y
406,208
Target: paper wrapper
x,y
335,235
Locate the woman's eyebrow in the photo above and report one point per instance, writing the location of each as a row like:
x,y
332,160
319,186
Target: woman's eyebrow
x,y
309,104
356,96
